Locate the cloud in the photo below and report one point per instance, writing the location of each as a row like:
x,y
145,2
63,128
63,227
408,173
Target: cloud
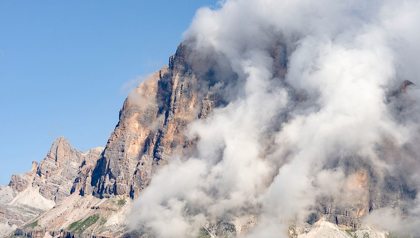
x,y
130,85
139,93
309,116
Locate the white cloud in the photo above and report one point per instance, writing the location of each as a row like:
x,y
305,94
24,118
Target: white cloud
x,y
289,137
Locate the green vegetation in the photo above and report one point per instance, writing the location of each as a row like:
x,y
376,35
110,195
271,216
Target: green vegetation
x,y
203,234
121,202
74,224
32,225
103,221
351,232
80,226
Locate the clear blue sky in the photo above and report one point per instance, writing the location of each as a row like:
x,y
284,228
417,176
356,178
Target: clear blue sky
x,y
63,63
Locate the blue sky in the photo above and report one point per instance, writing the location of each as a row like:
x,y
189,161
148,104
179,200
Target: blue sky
x,y
63,64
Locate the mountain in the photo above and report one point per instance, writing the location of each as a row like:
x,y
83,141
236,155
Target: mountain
x,y
151,127
272,119
45,185
74,193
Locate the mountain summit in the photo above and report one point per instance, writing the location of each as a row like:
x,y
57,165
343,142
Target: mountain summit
x,y
272,119
45,185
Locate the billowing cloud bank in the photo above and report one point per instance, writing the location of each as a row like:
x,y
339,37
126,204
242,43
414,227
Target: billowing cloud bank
x,y
319,111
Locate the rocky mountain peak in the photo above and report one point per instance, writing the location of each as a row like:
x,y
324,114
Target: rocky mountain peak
x,y
34,165
34,168
47,183
151,126
61,150
264,120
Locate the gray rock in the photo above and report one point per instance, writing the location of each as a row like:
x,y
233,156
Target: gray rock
x,y
53,177
151,127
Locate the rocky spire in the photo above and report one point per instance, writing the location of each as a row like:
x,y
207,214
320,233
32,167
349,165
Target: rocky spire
x,y
151,126
61,151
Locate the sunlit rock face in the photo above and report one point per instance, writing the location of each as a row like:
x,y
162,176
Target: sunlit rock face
x,y
152,126
46,184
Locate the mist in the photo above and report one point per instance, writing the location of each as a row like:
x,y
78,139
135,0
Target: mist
x,y
321,108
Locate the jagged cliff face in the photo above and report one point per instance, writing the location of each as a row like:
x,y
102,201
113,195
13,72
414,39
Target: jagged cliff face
x,y
152,126
46,184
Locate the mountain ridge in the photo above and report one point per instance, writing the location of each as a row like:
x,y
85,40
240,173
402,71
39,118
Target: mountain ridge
x,y
48,182
279,119
99,185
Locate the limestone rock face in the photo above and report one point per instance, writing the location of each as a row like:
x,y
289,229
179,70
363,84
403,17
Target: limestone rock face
x,y
151,126
56,173
46,184
20,182
82,182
